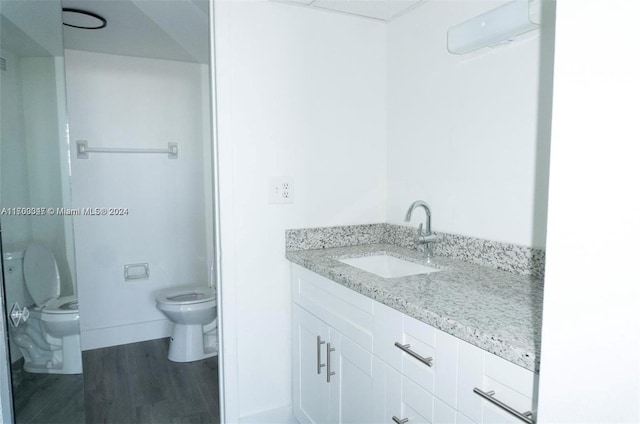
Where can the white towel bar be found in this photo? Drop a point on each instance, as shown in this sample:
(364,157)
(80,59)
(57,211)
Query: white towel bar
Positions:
(84,150)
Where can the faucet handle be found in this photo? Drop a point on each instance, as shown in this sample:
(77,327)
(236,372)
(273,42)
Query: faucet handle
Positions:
(431,238)
(419,234)
(422,238)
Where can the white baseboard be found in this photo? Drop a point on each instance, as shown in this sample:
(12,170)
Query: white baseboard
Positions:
(124,334)
(275,416)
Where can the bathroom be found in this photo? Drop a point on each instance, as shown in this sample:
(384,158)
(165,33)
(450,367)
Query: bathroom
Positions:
(309,95)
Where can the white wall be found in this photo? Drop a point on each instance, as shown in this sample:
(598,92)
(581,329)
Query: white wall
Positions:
(13,191)
(117,101)
(46,172)
(463,130)
(14,179)
(300,93)
(32,174)
(14,182)
(590,370)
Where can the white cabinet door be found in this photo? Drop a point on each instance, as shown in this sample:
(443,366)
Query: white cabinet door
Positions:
(357,388)
(311,401)
(494,415)
(407,401)
(391,326)
(393,395)
(470,375)
(445,367)
(387,329)
(509,383)
(341,308)
(335,379)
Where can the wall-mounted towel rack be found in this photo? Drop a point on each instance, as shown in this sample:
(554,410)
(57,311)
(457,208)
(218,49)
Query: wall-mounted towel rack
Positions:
(84,150)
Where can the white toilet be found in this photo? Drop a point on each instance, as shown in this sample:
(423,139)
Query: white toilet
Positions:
(192,310)
(49,339)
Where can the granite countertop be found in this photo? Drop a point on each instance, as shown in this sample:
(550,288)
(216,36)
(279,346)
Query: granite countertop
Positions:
(498,311)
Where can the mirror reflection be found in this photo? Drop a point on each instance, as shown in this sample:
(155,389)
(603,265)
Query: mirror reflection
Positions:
(137,89)
(112,317)
(37,242)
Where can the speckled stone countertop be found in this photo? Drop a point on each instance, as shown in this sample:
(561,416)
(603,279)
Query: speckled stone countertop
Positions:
(498,311)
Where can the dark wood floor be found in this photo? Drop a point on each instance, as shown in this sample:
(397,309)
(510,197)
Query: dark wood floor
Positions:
(128,384)
(48,398)
(136,383)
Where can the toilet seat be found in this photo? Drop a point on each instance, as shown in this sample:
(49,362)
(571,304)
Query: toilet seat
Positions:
(63,305)
(192,295)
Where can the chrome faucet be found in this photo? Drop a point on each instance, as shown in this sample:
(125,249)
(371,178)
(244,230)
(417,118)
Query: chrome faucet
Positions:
(423,237)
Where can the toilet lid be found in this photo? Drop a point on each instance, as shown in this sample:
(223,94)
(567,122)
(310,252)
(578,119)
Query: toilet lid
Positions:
(41,274)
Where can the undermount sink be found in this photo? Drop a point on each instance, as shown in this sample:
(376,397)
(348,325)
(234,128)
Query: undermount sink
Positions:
(388,266)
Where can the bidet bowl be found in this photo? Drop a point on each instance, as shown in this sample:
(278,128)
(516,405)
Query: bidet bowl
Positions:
(58,324)
(199,313)
(62,325)
(190,309)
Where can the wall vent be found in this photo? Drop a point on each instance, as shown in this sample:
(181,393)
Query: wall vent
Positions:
(3,64)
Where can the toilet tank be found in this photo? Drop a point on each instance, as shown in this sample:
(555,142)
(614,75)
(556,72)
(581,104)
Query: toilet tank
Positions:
(15,289)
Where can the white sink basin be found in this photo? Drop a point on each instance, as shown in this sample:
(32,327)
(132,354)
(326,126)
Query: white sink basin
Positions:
(388,266)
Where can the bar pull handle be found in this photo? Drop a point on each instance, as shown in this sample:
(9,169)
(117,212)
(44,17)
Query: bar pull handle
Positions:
(329,372)
(523,416)
(406,349)
(318,343)
(399,421)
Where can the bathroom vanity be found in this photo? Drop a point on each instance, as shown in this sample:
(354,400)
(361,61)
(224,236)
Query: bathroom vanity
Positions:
(459,344)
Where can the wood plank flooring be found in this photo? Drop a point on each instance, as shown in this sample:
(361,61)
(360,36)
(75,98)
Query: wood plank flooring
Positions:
(48,399)
(129,384)
(136,383)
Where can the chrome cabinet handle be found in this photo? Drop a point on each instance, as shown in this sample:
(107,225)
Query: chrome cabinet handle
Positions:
(405,348)
(523,416)
(329,372)
(399,421)
(318,364)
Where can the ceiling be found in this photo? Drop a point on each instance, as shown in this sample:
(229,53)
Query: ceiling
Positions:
(30,27)
(178,29)
(385,10)
(158,29)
